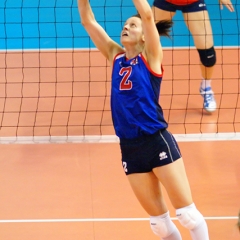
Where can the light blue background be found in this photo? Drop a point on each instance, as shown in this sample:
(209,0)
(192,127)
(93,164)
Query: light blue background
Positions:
(47,24)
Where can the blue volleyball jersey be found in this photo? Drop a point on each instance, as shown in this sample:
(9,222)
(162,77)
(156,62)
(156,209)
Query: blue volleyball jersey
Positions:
(135,98)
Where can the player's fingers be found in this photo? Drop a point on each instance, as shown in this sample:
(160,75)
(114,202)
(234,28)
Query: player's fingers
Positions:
(230,7)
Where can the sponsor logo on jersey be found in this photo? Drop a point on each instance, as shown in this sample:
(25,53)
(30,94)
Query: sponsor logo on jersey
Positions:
(134,61)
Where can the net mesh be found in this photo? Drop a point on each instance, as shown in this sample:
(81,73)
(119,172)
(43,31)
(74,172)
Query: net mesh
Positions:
(54,83)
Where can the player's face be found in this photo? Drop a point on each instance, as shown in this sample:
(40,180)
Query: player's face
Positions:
(132,31)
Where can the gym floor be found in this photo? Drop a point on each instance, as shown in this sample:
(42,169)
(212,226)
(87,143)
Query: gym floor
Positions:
(57,191)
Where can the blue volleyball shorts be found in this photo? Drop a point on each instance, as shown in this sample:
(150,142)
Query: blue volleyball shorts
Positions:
(142,154)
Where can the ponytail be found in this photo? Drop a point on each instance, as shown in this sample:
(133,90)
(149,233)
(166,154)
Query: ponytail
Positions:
(163,27)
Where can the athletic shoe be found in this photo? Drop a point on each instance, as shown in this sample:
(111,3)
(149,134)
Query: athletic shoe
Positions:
(209,102)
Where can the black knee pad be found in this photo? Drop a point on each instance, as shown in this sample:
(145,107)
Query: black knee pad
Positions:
(207,56)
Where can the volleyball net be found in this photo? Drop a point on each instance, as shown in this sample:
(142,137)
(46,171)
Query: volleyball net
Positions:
(55,86)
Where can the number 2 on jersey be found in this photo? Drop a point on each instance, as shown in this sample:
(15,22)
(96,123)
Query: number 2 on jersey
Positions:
(126,83)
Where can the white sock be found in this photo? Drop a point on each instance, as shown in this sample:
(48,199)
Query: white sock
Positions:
(200,232)
(175,235)
(206,83)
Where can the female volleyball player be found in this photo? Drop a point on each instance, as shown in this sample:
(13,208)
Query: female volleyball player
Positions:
(150,154)
(197,20)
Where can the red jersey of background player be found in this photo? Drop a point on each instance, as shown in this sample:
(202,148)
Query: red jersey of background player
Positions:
(181,2)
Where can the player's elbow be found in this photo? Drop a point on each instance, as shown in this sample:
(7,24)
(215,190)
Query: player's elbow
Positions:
(147,15)
(87,22)
(83,23)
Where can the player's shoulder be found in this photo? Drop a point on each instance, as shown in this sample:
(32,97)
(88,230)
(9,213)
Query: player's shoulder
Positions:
(119,55)
(115,50)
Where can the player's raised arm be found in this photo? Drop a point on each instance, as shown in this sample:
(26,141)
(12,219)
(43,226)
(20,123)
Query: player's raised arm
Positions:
(151,36)
(98,35)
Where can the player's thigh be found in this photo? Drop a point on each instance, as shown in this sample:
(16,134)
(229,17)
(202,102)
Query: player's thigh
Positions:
(199,25)
(160,14)
(148,191)
(174,178)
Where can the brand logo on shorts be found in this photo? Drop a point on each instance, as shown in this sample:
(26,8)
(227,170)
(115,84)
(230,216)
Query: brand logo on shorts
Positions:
(210,56)
(163,155)
(202,5)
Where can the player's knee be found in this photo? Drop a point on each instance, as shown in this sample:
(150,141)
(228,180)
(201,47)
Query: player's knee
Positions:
(161,225)
(207,56)
(189,217)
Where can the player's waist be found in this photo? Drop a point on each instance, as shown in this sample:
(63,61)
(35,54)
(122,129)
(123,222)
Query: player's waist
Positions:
(141,138)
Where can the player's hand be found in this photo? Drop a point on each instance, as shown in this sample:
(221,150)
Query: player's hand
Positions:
(228,5)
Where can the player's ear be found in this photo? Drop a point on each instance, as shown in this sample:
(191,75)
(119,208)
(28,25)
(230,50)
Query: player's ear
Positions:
(143,38)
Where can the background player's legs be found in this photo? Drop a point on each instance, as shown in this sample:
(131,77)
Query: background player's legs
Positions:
(147,189)
(174,179)
(160,14)
(199,25)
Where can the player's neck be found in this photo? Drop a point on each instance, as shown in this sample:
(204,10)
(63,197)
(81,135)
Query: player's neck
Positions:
(132,52)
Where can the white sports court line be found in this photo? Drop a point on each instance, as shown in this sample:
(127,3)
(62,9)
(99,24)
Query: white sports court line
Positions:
(231,136)
(99,220)
(95,49)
